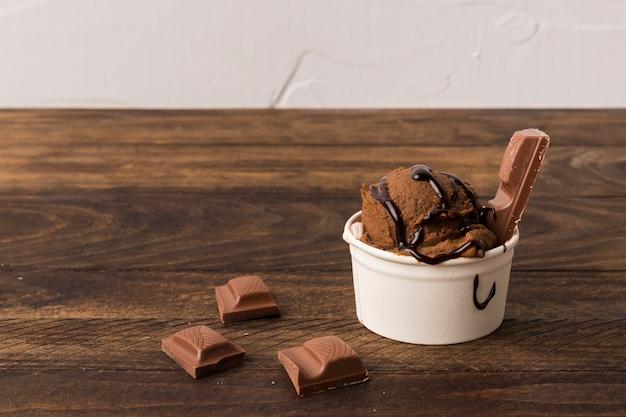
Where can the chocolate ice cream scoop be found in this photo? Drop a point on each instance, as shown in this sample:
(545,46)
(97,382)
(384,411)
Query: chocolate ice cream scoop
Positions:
(433,216)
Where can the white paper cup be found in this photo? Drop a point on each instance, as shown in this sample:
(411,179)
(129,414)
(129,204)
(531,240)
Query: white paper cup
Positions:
(402,299)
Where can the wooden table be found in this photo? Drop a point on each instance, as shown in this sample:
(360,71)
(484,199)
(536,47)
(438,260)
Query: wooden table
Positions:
(116,225)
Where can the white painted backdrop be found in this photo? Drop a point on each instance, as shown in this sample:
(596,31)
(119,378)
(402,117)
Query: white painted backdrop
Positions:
(312,53)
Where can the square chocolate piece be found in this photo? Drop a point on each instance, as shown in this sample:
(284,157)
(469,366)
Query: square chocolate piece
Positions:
(200,350)
(321,364)
(245,298)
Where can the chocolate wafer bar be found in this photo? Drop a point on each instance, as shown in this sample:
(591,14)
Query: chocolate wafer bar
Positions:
(518,172)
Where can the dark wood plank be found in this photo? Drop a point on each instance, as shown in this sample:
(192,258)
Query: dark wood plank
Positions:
(569,171)
(244,393)
(261,230)
(555,295)
(116,225)
(316,127)
(134,344)
(544,329)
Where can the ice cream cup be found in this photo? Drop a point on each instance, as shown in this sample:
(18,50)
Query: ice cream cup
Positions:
(452,302)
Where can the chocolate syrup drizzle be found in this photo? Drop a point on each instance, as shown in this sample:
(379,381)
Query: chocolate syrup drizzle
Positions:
(425,173)
(478,304)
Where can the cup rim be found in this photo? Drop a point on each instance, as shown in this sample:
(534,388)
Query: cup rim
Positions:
(352,240)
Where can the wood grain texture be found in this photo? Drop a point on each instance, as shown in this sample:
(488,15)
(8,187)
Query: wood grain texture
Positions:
(305,127)
(116,225)
(599,171)
(133,344)
(562,295)
(243,393)
(259,230)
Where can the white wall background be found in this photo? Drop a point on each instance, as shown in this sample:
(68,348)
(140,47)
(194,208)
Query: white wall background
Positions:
(312,53)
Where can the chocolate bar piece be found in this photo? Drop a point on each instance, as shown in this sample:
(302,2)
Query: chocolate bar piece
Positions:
(245,298)
(200,350)
(321,364)
(518,172)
